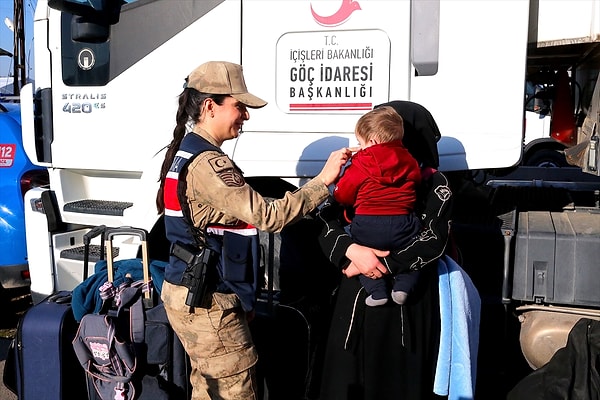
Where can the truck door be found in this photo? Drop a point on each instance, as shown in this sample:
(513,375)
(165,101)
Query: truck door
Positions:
(320,64)
(107,89)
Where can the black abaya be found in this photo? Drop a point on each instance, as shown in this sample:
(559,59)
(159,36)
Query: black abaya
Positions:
(391,351)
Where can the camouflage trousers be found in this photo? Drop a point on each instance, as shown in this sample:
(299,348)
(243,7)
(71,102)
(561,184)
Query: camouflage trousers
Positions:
(218,342)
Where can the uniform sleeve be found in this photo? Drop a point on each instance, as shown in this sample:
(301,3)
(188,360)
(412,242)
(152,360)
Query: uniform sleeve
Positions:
(214,182)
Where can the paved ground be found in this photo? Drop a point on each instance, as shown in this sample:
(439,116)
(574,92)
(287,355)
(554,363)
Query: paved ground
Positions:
(500,365)
(13,304)
(5,394)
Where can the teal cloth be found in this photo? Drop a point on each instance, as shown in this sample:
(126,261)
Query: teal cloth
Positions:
(460,308)
(86,296)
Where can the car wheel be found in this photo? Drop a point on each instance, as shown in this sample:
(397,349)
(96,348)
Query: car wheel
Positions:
(547,158)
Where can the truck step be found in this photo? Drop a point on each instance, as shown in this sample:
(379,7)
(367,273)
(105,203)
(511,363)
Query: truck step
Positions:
(102,207)
(76,253)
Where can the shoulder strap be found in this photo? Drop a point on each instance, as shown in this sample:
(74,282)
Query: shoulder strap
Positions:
(196,145)
(132,296)
(128,295)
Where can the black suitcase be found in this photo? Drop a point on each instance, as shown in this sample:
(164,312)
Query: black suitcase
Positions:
(161,364)
(45,365)
(291,314)
(282,338)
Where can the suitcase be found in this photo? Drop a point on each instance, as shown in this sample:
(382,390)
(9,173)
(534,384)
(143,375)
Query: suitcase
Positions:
(291,312)
(281,335)
(160,365)
(45,364)
(44,335)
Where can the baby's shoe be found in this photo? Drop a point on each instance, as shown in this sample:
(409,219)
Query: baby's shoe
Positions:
(399,296)
(370,301)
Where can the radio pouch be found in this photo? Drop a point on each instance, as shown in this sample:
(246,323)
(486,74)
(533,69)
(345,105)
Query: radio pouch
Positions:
(236,258)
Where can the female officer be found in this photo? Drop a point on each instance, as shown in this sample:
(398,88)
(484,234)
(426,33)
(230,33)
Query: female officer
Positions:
(208,205)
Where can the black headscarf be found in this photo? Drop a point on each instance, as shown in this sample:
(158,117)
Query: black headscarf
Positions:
(421,133)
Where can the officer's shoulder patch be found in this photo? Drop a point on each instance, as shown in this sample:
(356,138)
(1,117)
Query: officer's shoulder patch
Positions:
(225,170)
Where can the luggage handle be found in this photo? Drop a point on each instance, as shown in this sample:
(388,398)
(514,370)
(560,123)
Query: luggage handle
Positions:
(87,238)
(130,231)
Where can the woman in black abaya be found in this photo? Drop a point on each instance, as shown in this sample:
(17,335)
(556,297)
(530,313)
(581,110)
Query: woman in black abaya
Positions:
(389,351)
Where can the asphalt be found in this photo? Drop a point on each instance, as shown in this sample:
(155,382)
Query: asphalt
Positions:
(14,303)
(500,363)
(500,366)
(5,393)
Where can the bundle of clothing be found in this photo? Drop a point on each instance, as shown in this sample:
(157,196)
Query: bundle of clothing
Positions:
(87,296)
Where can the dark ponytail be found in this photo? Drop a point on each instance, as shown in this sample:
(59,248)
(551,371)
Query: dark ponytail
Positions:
(188,114)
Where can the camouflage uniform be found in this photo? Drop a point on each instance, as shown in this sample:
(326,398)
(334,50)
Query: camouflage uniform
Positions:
(230,199)
(218,339)
(218,342)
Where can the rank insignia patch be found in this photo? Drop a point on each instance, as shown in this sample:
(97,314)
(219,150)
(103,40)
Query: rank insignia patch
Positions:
(225,169)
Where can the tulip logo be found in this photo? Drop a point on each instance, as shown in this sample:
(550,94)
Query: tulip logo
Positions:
(340,16)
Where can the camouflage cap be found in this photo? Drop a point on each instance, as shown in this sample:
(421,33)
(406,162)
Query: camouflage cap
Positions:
(222,77)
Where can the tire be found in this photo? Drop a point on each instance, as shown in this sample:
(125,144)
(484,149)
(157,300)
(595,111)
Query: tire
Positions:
(547,158)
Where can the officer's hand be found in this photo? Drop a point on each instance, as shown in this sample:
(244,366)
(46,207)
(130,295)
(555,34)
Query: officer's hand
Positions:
(334,164)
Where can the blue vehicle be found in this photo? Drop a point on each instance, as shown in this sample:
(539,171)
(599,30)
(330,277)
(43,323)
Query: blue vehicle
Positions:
(17,176)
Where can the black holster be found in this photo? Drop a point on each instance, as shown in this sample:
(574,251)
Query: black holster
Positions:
(197,276)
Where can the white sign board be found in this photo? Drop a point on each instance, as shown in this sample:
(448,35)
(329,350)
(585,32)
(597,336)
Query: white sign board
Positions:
(333,71)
